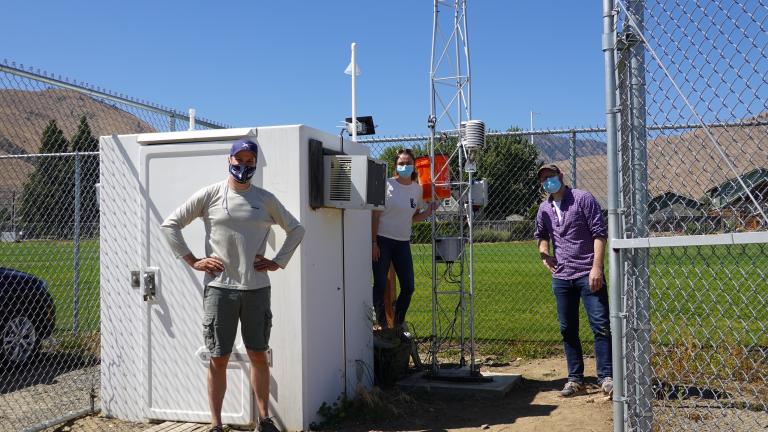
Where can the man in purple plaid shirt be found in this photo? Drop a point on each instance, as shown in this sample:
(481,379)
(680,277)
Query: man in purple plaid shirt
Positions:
(572,220)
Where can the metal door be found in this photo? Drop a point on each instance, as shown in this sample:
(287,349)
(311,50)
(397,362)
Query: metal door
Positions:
(175,359)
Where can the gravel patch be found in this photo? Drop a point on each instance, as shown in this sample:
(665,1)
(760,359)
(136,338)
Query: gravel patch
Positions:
(706,419)
(49,387)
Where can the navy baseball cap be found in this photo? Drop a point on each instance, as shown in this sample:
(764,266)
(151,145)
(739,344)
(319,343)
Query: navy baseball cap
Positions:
(243,145)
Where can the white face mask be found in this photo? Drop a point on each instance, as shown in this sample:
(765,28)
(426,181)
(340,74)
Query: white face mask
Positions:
(404,170)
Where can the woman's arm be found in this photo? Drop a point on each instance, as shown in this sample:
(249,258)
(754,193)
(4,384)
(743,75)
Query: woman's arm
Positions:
(421,216)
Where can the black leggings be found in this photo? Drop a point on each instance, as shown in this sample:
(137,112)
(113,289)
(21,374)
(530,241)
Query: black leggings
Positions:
(397,252)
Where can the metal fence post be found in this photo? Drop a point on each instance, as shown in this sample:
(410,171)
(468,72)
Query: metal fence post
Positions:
(609,48)
(172,123)
(573,159)
(76,252)
(639,163)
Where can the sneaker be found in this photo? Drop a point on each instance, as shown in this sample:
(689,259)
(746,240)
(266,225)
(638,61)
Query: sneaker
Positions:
(573,388)
(216,429)
(607,386)
(267,425)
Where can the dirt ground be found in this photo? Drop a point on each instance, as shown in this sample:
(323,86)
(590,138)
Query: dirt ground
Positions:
(535,405)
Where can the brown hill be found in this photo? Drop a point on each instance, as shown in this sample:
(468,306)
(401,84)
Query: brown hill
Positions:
(557,147)
(687,164)
(24,115)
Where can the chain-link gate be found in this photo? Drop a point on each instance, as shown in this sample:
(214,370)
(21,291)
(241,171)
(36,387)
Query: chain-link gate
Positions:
(691,212)
(49,239)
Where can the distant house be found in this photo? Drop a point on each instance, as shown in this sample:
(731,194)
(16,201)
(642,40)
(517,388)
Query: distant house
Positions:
(672,212)
(672,204)
(731,193)
(732,202)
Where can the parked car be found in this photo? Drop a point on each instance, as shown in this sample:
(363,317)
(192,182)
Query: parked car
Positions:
(27,314)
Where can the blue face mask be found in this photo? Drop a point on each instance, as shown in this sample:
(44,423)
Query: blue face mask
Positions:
(242,173)
(552,184)
(404,170)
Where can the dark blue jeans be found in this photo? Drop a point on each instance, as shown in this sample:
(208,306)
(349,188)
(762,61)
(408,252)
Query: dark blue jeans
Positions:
(398,253)
(567,294)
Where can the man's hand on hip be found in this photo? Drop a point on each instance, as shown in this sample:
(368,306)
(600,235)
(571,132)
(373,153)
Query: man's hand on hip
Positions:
(209,265)
(596,279)
(261,264)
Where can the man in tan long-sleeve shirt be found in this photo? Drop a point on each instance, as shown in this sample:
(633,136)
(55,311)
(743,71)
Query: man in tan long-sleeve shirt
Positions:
(237,218)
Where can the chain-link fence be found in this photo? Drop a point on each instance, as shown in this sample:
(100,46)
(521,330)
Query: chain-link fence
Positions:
(515,314)
(690,252)
(692,206)
(49,239)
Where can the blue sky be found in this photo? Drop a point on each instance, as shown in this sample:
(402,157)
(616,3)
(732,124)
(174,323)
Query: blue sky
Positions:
(257,63)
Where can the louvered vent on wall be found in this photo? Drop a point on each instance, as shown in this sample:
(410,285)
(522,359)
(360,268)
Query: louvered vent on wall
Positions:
(341,179)
(354,182)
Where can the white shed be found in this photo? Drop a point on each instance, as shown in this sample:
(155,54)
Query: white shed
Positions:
(153,360)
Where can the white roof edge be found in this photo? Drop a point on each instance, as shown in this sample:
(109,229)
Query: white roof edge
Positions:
(196,135)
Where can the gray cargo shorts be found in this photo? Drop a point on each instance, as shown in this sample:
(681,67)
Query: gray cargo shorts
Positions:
(222,310)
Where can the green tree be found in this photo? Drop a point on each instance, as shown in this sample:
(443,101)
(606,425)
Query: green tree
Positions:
(388,155)
(509,165)
(84,141)
(45,208)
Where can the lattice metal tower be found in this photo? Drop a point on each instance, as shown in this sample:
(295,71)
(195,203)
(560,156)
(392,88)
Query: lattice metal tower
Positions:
(450,86)
(450,110)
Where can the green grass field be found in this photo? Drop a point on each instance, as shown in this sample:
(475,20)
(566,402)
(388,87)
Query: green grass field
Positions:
(710,294)
(53,262)
(513,294)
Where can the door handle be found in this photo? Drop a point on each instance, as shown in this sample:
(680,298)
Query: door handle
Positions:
(150,285)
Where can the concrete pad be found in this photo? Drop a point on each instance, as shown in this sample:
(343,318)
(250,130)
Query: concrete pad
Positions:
(498,387)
